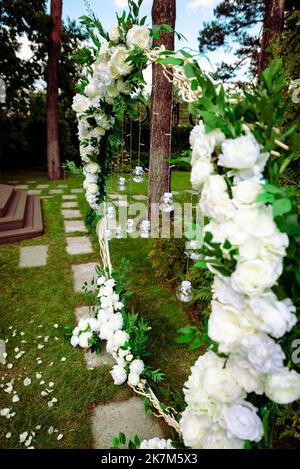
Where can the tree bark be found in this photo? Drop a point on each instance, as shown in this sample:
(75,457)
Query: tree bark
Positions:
(53,148)
(273,25)
(163,12)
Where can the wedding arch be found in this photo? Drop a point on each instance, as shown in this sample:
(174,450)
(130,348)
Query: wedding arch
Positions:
(251,238)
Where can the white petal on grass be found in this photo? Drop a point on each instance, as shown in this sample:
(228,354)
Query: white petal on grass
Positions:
(15,398)
(44,393)
(23,437)
(8,435)
(9,366)
(42,382)
(38,427)
(40,346)
(4,412)
(63,359)
(60,436)
(27,382)
(55,325)
(38,375)
(51,384)
(17,349)
(27,442)
(50,430)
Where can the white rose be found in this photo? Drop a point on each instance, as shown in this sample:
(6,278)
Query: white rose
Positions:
(215,201)
(105,331)
(223,292)
(114,33)
(101,280)
(80,103)
(133,379)
(74,340)
(91,89)
(256,220)
(138,36)
(255,171)
(110,282)
(246,192)
(246,376)
(118,65)
(120,338)
(92,168)
(219,384)
(239,153)
(271,315)
(253,277)
(202,143)
(261,351)
(226,324)
(201,170)
(137,366)
(93,189)
(116,322)
(106,291)
(283,387)
(84,339)
(218,439)
(76,331)
(156,443)
(243,422)
(194,428)
(119,375)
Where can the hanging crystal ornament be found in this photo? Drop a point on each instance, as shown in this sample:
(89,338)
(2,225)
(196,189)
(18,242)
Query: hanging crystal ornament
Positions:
(190,249)
(108,234)
(185,292)
(130,226)
(138,174)
(145,229)
(119,232)
(122,184)
(166,202)
(111,212)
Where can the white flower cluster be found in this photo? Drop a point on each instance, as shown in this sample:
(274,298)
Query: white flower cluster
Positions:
(156,443)
(246,314)
(108,325)
(107,82)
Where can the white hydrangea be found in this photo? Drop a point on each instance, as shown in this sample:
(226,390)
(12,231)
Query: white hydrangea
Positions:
(156,443)
(243,422)
(283,387)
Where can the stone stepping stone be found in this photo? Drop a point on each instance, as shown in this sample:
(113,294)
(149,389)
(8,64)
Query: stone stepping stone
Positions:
(139,197)
(122,203)
(114,196)
(46,197)
(33,256)
(69,205)
(56,191)
(76,191)
(71,213)
(128,417)
(62,186)
(93,360)
(74,226)
(175,193)
(22,186)
(69,197)
(31,182)
(34,192)
(83,273)
(12,182)
(79,245)
(42,186)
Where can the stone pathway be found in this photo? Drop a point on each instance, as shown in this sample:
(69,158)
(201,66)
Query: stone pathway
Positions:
(33,256)
(69,197)
(128,417)
(71,213)
(79,245)
(74,226)
(69,204)
(83,273)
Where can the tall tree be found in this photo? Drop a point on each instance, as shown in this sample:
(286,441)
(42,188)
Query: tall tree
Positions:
(161,108)
(273,26)
(53,150)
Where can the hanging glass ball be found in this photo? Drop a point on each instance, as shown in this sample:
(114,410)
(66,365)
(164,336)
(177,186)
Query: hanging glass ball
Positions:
(185,292)
(191,248)
(108,234)
(122,184)
(145,229)
(130,226)
(166,202)
(138,174)
(119,232)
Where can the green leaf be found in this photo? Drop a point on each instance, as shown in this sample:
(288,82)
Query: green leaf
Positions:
(184,339)
(266,198)
(131,445)
(197,342)
(137,441)
(272,189)
(190,71)
(281,206)
(191,330)
(116,442)
(171,61)
(122,438)
(201,264)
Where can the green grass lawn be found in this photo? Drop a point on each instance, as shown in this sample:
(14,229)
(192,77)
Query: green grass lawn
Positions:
(33,300)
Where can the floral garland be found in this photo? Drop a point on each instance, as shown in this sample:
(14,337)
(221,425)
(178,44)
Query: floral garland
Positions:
(113,75)
(244,247)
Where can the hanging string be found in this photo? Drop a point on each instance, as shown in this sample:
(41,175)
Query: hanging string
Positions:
(130,158)
(140,133)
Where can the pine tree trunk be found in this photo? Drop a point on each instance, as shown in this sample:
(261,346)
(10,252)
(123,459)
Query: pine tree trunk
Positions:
(53,150)
(273,25)
(163,12)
